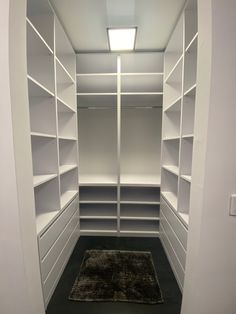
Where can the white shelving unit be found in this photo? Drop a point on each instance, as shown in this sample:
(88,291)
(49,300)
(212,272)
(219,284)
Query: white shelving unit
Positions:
(119,146)
(178,134)
(53,120)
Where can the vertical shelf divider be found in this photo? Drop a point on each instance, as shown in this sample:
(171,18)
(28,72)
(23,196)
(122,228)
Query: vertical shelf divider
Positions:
(118,138)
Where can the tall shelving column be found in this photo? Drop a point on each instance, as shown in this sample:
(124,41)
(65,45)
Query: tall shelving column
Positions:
(53,121)
(97,99)
(141,105)
(180,84)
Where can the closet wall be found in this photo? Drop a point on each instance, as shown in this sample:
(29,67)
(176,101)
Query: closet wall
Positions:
(119,101)
(53,122)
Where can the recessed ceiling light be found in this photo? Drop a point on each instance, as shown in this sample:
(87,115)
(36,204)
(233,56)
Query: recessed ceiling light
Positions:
(122,39)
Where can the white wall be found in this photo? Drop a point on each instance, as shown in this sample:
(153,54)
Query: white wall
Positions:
(210,280)
(20,284)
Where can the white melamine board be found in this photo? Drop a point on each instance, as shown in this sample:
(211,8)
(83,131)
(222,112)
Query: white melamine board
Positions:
(96,63)
(44,152)
(139,195)
(190,66)
(67,152)
(174,49)
(173,86)
(172,257)
(188,114)
(98,194)
(142,83)
(65,87)
(98,210)
(66,168)
(139,226)
(54,276)
(139,210)
(170,187)
(140,180)
(64,50)
(176,244)
(190,21)
(171,124)
(172,169)
(184,197)
(186,156)
(175,105)
(96,101)
(99,180)
(67,124)
(35,89)
(171,199)
(42,114)
(39,60)
(44,25)
(170,153)
(175,223)
(98,143)
(97,224)
(187,178)
(47,203)
(63,107)
(40,179)
(97,84)
(140,143)
(69,182)
(47,238)
(141,100)
(142,62)
(51,257)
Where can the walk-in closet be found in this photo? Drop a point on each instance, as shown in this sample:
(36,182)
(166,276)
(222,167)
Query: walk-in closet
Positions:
(118,162)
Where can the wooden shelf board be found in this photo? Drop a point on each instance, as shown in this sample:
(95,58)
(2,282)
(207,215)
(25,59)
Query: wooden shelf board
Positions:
(186,178)
(171,198)
(67,197)
(39,35)
(40,179)
(172,169)
(139,218)
(66,168)
(38,134)
(44,219)
(45,91)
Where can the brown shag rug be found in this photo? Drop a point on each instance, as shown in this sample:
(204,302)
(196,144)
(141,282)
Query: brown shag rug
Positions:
(126,276)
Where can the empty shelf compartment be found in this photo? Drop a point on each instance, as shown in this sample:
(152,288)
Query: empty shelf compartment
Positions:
(140,195)
(98,194)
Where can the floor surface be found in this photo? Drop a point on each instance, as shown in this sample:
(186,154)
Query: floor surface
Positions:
(60,304)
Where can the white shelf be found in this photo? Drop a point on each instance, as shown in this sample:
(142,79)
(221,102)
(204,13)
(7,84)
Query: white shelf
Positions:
(190,136)
(143,74)
(175,105)
(95,74)
(140,180)
(191,91)
(141,83)
(172,72)
(99,231)
(191,42)
(139,218)
(65,70)
(66,168)
(67,138)
(96,94)
(44,219)
(40,179)
(174,138)
(171,199)
(187,178)
(139,195)
(98,195)
(39,35)
(38,134)
(141,232)
(36,89)
(185,218)
(172,169)
(99,180)
(98,217)
(63,106)
(67,197)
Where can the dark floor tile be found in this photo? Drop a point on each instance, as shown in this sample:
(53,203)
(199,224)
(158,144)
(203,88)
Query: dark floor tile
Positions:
(60,304)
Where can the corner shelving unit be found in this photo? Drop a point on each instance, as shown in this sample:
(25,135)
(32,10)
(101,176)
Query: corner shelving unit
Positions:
(180,86)
(53,121)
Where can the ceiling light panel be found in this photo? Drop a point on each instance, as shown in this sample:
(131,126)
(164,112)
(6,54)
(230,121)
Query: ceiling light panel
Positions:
(122,39)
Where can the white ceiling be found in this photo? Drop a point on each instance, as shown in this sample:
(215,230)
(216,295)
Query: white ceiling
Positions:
(86,21)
